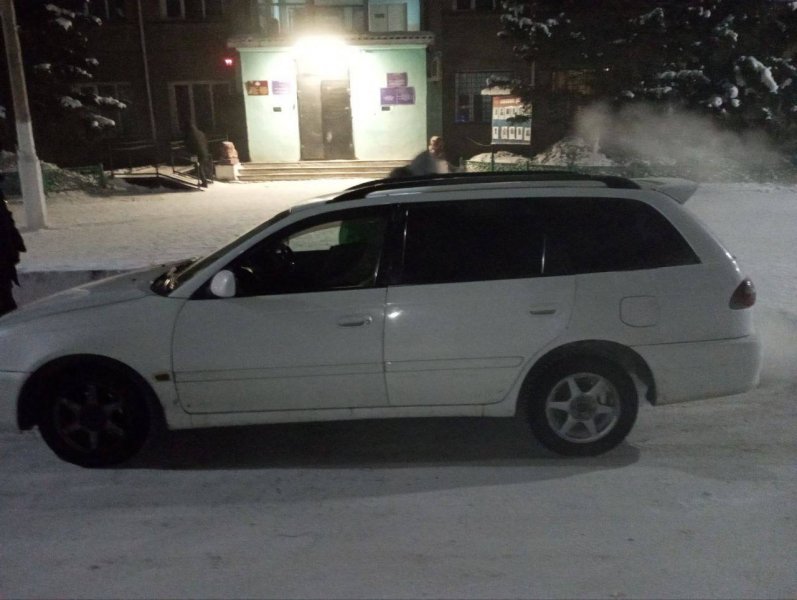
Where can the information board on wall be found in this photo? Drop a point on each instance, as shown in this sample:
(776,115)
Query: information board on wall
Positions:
(257,88)
(397,80)
(281,88)
(397,95)
(398,91)
(507,129)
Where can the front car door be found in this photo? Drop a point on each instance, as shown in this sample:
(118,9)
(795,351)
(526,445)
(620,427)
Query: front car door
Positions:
(471,303)
(304,330)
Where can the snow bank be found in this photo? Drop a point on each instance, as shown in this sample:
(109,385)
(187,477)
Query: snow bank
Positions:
(573,151)
(56,179)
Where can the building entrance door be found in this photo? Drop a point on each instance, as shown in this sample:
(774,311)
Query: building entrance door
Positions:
(325,129)
(336,120)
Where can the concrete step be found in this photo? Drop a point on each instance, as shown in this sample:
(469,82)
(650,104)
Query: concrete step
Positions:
(300,175)
(318,169)
(331,164)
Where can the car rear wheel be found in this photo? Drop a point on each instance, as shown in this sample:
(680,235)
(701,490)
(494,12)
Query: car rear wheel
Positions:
(582,406)
(94,416)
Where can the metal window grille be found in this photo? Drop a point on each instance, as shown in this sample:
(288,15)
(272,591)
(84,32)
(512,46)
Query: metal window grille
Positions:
(471,106)
(474,4)
(197,101)
(192,9)
(107,10)
(573,82)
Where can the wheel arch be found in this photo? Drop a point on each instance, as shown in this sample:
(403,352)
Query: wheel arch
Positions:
(28,402)
(621,355)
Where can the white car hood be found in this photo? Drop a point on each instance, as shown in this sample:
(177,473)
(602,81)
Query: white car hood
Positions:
(119,288)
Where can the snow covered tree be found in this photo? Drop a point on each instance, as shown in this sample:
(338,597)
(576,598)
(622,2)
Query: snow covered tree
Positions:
(730,58)
(60,68)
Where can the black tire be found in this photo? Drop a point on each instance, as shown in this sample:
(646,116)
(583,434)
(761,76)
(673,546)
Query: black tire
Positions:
(95,415)
(582,406)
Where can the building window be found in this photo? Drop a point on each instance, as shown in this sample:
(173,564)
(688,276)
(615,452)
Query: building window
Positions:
(107,10)
(471,106)
(290,16)
(388,17)
(108,94)
(474,4)
(173,9)
(195,10)
(203,102)
(579,82)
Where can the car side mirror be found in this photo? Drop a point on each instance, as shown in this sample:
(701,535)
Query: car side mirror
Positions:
(223,284)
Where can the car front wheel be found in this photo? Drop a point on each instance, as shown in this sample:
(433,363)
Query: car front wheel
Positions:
(94,416)
(582,406)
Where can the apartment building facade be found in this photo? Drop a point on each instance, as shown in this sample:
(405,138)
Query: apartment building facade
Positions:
(468,53)
(290,80)
(335,80)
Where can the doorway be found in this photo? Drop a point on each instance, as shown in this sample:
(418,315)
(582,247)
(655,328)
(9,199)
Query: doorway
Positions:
(325,128)
(336,120)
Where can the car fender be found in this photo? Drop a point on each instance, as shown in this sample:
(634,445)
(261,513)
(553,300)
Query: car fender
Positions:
(136,333)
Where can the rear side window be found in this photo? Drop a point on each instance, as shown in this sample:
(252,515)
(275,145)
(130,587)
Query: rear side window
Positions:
(475,240)
(586,235)
(483,240)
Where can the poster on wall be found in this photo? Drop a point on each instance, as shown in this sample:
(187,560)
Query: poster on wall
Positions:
(507,129)
(257,88)
(281,88)
(397,96)
(397,80)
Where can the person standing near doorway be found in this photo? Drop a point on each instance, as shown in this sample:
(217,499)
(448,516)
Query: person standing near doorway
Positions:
(197,145)
(432,160)
(11,245)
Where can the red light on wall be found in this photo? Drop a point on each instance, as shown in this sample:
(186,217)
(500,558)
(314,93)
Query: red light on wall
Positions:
(229,61)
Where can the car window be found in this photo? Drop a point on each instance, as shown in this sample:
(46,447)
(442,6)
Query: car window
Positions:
(474,240)
(592,235)
(177,276)
(335,251)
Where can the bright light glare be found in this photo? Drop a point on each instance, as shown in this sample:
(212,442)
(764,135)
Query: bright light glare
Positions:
(322,55)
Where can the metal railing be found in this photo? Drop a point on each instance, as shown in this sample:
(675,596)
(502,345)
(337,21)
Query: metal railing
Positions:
(134,151)
(170,158)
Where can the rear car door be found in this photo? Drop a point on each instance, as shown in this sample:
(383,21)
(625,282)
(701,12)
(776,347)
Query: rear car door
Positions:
(470,303)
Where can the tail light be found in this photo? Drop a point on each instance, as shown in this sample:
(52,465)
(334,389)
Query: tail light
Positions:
(744,295)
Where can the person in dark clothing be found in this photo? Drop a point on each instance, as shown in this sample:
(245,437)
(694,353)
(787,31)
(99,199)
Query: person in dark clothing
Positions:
(197,145)
(11,244)
(399,173)
(432,160)
(429,162)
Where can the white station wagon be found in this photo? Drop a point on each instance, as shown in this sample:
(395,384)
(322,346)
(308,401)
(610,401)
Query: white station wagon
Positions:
(557,297)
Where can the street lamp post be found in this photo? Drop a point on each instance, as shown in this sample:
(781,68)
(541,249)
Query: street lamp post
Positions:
(28,165)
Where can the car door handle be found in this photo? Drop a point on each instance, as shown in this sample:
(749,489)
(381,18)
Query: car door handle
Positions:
(355,321)
(543,311)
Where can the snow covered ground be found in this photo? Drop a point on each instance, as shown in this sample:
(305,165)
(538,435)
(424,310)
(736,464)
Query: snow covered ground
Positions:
(699,503)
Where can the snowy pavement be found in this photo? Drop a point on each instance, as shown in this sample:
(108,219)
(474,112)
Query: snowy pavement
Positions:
(135,229)
(698,503)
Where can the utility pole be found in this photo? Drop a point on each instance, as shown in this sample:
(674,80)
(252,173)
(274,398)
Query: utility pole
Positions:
(28,165)
(143,37)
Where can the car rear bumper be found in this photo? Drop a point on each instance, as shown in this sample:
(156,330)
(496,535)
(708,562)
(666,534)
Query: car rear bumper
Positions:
(10,385)
(696,370)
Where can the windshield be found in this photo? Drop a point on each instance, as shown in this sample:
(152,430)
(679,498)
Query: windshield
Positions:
(184,271)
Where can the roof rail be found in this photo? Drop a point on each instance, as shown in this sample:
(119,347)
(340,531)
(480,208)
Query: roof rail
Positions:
(363,189)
